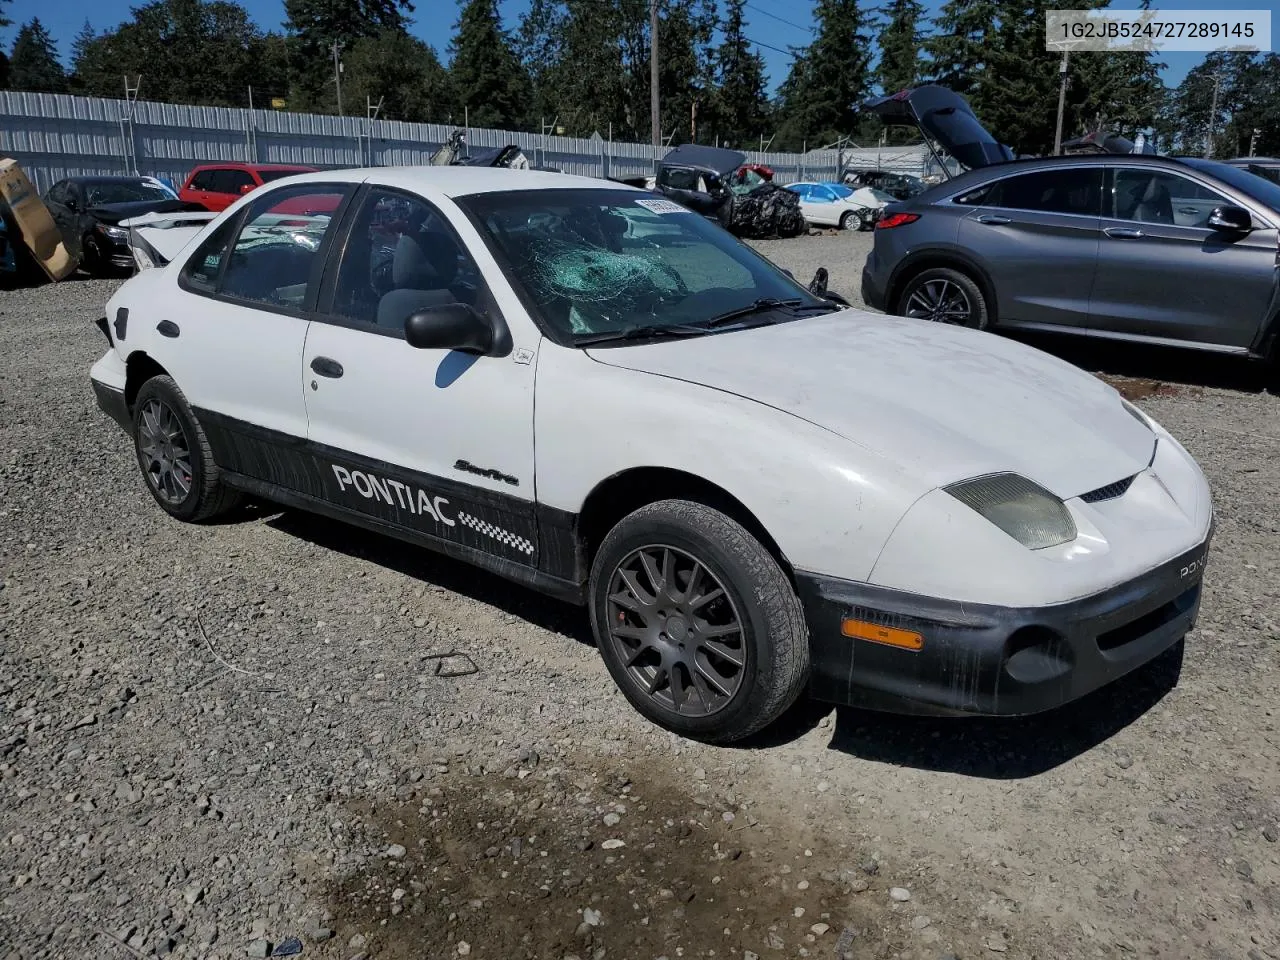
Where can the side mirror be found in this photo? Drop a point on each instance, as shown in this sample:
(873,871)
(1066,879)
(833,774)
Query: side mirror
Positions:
(245,188)
(818,285)
(1230,219)
(450,326)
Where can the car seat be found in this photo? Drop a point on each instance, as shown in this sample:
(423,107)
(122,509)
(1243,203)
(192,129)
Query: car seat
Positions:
(1150,202)
(422,269)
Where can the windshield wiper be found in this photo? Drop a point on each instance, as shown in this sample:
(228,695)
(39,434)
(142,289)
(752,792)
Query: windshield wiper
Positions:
(643,332)
(766,305)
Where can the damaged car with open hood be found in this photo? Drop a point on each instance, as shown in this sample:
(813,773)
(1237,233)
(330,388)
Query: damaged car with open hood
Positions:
(719,184)
(595,392)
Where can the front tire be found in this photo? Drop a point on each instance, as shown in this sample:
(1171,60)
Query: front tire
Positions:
(944,295)
(174,455)
(696,622)
(850,220)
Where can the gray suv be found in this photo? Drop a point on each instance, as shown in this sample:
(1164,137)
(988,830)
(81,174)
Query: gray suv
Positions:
(1180,252)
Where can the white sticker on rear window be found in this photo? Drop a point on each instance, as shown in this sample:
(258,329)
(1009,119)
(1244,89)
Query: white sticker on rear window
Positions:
(662,206)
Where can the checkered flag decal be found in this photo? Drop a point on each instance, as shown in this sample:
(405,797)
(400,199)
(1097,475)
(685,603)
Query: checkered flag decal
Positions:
(505,537)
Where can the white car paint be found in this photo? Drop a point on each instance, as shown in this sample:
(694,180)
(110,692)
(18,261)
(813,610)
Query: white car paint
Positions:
(827,203)
(835,432)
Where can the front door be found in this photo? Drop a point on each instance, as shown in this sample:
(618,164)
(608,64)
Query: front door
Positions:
(1037,234)
(1164,273)
(249,287)
(436,441)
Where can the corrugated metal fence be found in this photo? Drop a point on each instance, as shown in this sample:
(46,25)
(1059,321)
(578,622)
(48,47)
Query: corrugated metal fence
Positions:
(55,136)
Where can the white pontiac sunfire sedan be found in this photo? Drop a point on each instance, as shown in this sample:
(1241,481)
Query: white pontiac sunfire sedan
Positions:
(603,396)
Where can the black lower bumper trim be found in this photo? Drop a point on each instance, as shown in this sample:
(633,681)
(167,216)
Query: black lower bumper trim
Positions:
(991,660)
(111,401)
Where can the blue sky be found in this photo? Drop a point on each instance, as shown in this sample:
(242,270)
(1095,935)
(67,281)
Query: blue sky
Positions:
(775,23)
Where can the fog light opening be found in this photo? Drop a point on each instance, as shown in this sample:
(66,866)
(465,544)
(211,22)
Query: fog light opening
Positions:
(1036,654)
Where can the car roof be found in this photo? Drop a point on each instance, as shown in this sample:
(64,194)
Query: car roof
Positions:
(461,181)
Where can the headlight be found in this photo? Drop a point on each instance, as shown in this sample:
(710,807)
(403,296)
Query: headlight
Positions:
(115,233)
(1024,510)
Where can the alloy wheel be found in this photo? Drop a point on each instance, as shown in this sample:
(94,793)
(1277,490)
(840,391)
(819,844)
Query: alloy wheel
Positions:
(941,301)
(676,630)
(166,453)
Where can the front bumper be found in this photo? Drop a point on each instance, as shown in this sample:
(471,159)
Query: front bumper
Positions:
(990,660)
(111,401)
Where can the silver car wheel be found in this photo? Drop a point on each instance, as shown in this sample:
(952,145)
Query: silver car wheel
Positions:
(940,301)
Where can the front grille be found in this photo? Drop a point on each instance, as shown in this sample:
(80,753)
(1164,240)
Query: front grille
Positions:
(1109,492)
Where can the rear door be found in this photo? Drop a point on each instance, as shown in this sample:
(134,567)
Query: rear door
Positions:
(1037,235)
(1163,272)
(237,334)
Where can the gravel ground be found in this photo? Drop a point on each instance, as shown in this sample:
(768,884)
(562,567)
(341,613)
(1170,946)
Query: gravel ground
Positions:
(216,739)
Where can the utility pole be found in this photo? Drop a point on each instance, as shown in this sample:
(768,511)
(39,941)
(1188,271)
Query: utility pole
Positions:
(1213,117)
(337,73)
(1253,141)
(656,129)
(1062,101)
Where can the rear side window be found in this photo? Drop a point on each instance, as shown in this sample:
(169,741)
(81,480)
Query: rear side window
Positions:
(201,271)
(274,255)
(1076,191)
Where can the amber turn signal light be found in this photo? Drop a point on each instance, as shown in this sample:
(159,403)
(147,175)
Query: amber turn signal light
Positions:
(889,636)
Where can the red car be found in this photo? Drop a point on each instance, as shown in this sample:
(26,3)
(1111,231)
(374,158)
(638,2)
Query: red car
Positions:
(215,186)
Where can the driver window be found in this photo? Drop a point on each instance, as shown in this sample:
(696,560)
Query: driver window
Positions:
(401,256)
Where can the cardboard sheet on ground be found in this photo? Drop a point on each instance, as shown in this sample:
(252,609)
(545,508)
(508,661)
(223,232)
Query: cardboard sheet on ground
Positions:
(38,232)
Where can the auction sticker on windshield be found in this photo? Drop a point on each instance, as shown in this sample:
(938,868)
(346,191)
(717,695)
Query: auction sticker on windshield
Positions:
(662,206)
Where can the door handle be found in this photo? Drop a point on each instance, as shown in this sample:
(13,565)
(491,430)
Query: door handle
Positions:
(1189,211)
(992,218)
(326,367)
(167,328)
(1124,233)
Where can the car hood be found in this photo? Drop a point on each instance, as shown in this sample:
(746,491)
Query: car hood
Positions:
(944,403)
(115,212)
(716,159)
(946,117)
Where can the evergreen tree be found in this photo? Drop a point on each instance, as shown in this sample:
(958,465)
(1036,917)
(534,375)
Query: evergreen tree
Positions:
(900,64)
(187,51)
(4,61)
(962,38)
(829,80)
(400,70)
(742,100)
(538,42)
(486,76)
(33,62)
(313,25)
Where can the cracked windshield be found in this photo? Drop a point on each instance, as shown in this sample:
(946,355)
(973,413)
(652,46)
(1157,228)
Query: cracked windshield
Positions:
(597,264)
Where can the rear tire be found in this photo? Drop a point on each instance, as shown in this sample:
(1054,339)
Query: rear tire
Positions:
(696,622)
(174,455)
(944,295)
